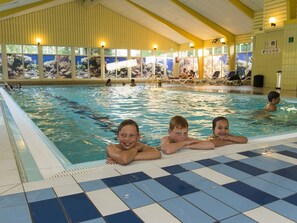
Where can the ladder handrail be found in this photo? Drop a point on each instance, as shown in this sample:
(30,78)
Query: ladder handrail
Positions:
(8,86)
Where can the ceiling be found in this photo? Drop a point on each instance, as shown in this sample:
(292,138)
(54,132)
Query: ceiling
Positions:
(181,21)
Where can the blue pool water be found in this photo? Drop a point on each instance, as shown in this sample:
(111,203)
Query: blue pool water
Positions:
(82,120)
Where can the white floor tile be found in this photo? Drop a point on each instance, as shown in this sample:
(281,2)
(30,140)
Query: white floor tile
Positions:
(68,189)
(264,215)
(107,202)
(214,176)
(155,213)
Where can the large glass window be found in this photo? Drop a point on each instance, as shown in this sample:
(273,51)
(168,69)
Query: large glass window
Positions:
(56,62)
(49,62)
(81,63)
(31,66)
(116,63)
(216,59)
(95,63)
(22,61)
(244,58)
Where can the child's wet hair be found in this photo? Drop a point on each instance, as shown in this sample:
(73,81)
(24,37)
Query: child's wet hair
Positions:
(128,122)
(178,122)
(272,95)
(215,120)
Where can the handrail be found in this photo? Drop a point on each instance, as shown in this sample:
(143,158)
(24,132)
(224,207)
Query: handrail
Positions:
(153,78)
(8,86)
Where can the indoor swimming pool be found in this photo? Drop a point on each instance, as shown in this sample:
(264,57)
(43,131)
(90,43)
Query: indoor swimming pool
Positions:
(82,120)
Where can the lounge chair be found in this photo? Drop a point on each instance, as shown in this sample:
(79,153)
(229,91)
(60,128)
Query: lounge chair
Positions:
(214,78)
(246,78)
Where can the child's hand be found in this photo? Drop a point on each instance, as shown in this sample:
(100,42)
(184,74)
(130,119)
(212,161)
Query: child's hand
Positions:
(192,141)
(110,161)
(139,147)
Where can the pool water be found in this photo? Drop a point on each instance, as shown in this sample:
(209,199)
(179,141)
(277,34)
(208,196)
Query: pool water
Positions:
(82,120)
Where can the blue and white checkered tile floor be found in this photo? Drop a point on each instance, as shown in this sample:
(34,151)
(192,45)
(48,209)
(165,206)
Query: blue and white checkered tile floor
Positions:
(258,185)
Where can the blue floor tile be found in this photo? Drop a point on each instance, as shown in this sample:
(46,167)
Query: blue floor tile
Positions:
(15,214)
(289,172)
(176,185)
(280,148)
(280,180)
(222,159)
(174,169)
(47,211)
(288,153)
(268,187)
(92,185)
(284,208)
(246,168)
(40,195)
(191,165)
(239,219)
(261,165)
(213,207)
(249,154)
(12,200)
(155,190)
(291,199)
(135,177)
(258,196)
(126,216)
(132,196)
(275,163)
(232,199)
(208,162)
(230,171)
(97,220)
(115,181)
(185,211)
(196,180)
(74,203)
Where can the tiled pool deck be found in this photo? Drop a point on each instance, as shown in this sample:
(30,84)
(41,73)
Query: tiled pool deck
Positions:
(254,182)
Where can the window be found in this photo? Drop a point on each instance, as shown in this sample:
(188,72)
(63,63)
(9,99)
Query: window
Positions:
(116,63)
(56,62)
(216,59)
(22,61)
(244,58)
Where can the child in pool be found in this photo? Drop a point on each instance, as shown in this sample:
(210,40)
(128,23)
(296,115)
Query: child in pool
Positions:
(129,147)
(221,136)
(273,100)
(178,138)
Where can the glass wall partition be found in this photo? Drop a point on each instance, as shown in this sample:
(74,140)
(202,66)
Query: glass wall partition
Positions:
(244,58)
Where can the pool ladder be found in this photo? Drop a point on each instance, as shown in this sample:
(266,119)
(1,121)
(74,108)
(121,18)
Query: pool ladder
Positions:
(154,80)
(6,84)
